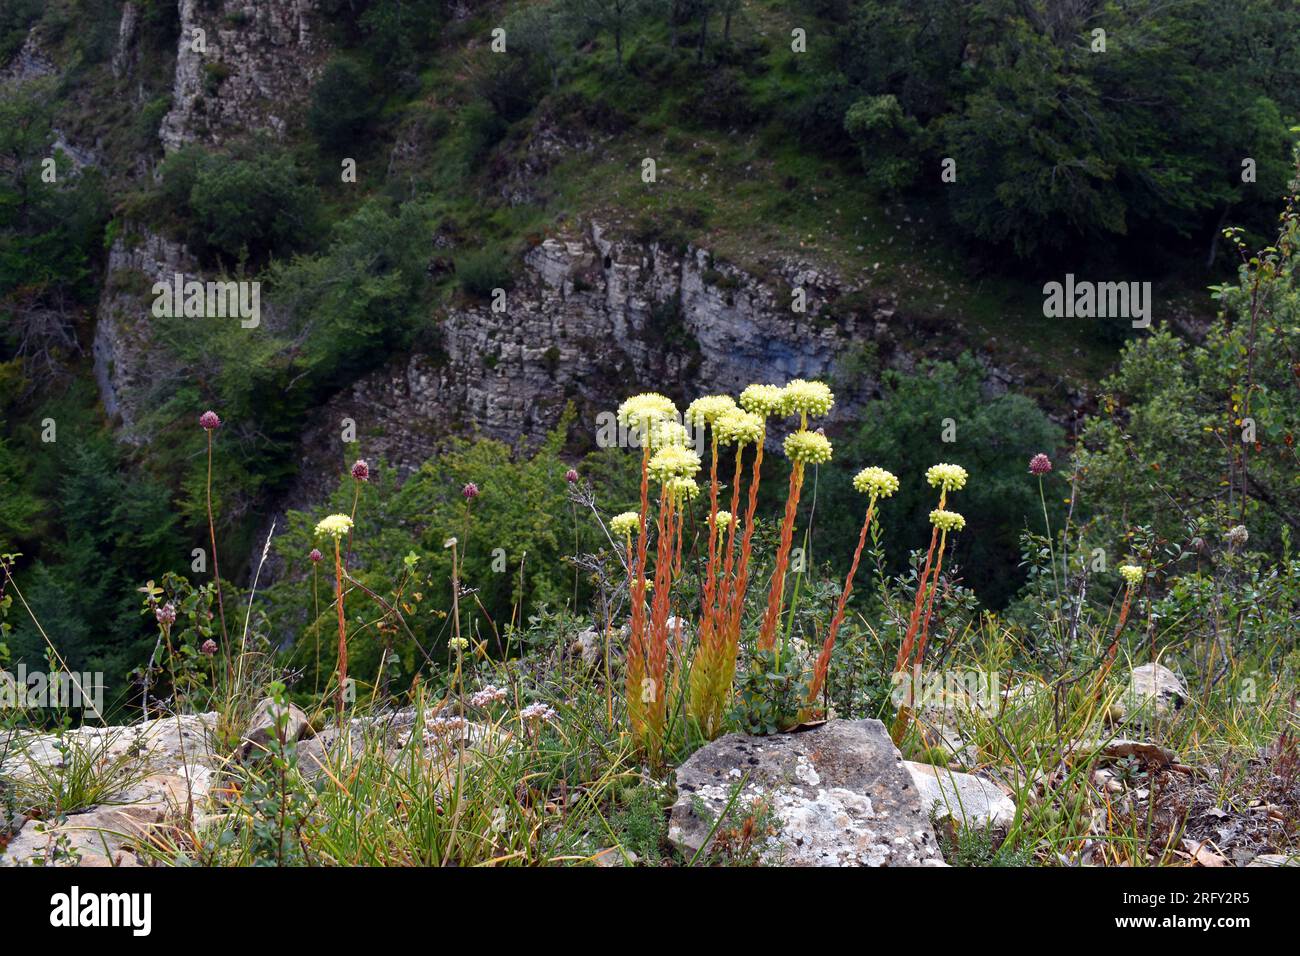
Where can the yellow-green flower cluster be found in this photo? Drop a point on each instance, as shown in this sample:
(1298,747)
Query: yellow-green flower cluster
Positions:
(947,520)
(808,448)
(674,461)
(945,476)
(682,489)
(1132,574)
(666,433)
(626,524)
(336,526)
(645,409)
(763,400)
(803,397)
(722,520)
(707,410)
(742,428)
(875,482)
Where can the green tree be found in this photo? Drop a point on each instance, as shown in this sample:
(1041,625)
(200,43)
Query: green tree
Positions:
(342,106)
(1195,438)
(994,438)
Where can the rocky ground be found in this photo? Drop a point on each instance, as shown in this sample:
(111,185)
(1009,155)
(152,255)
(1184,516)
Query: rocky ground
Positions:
(834,794)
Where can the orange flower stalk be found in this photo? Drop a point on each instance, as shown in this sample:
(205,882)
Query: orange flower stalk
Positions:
(636,648)
(336,526)
(946,478)
(1133,575)
(877,483)
(776,592)
(715,659)
(802,448)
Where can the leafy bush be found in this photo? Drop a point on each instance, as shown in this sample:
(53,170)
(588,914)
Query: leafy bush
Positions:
(994,437)
(342,106)
(481,271)
(240,206)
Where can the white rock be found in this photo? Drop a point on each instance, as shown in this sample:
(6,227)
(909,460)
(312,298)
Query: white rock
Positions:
(965,798)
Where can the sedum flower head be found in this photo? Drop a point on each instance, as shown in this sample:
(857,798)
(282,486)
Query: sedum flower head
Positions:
(947,520)
(336,526)
(683,489)
(723,520)
(809,448)
(674,462)
(642,411)
(625,524)
(945,476)
(763,400)
(667,433)
(803,397)
(739,428)
(707,410)
(875,482)
(1132,574)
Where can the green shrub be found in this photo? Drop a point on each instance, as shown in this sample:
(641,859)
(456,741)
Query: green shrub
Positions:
(342,106)
(481,271)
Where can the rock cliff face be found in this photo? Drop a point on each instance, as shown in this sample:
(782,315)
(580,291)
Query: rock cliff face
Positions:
(593,315)
(591,318)
(251,71)
(128,367)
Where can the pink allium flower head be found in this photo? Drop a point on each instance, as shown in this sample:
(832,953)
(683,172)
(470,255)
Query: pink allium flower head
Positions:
(470,491)
(360,470)
(571,475)
(165,613)
(209,420)
(208,647)
(315,555)
(1040,465)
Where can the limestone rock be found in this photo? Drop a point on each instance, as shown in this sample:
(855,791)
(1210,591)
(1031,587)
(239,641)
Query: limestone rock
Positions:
(258,64)
(962,797)
(263,726)
(839,794)
(588,647)
(106,835)
(1153,691)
